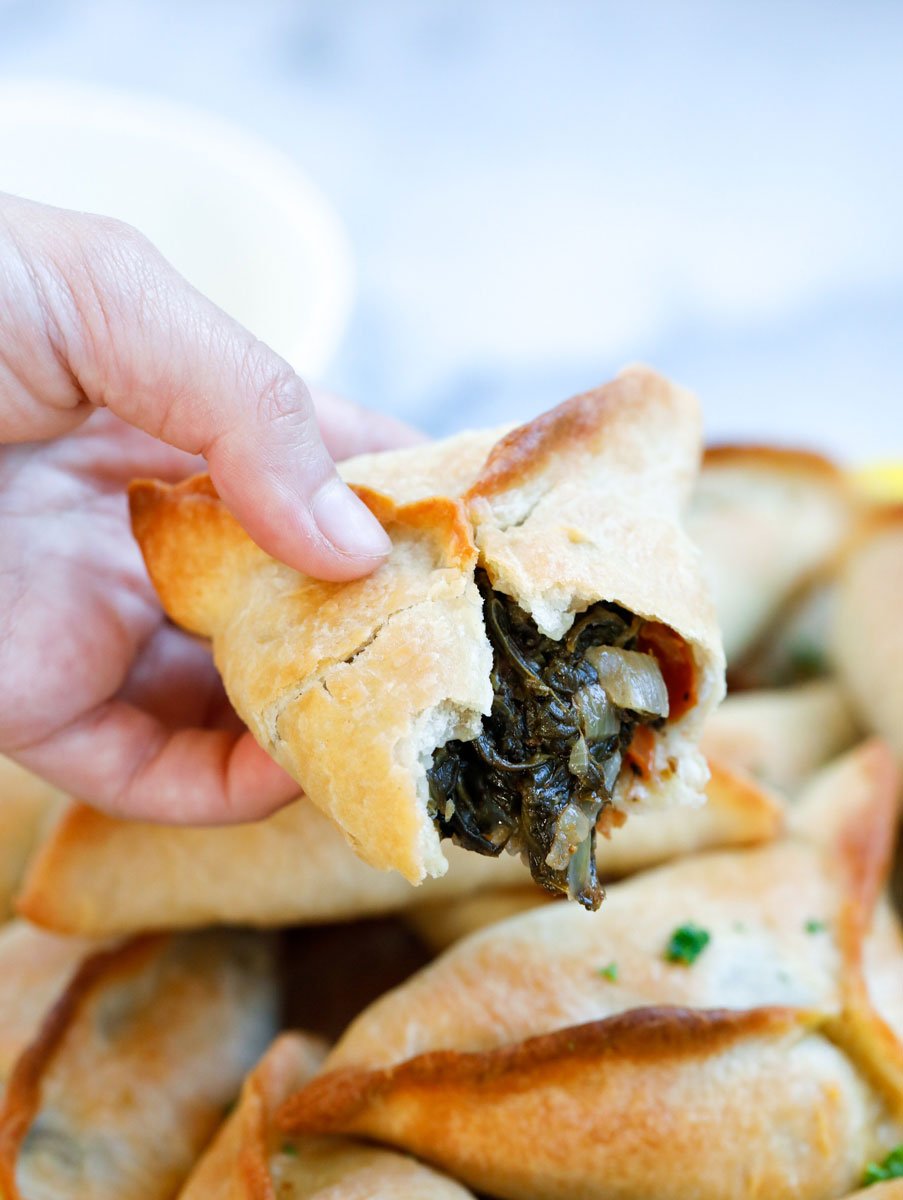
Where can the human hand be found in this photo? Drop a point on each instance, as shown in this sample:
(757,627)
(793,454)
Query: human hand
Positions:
(112,366)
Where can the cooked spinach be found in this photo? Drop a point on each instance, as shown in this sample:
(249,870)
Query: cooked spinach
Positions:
(547,758)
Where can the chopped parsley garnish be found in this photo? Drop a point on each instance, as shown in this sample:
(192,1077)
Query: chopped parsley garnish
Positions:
(609,972)
(686,944)
(289,1148)
(891,1168)
(815,926)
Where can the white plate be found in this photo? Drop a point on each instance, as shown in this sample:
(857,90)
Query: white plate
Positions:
(235,216)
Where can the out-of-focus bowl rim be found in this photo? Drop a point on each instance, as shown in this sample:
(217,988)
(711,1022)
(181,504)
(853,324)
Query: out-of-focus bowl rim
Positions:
(51,103)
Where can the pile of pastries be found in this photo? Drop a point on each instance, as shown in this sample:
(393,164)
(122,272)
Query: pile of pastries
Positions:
(256,1013)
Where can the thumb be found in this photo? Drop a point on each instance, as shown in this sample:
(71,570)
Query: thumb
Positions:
(138,338)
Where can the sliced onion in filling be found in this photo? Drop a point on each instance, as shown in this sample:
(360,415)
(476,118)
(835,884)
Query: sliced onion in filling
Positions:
(632,680)
(545,764)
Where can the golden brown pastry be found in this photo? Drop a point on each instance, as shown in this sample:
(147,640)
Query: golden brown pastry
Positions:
(795,646)
(117,1064)
(542,576)
(729,1025)
(806,810)
(251,1159)
(27,808)
(891,1190)
(867,642)
(766,519)
(34,970)
(781,736)
(736,813)
(100,876)
(439,924)
(810,811)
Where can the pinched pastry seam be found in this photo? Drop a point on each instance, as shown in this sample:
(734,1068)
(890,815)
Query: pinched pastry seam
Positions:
(459,551)
(861,855)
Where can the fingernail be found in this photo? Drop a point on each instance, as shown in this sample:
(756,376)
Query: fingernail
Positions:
(347,523)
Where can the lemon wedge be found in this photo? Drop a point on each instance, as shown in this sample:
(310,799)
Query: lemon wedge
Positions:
(881,481)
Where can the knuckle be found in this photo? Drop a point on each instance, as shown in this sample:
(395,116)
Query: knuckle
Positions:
(115,239)
(116,284)
(281,398)
(120,266)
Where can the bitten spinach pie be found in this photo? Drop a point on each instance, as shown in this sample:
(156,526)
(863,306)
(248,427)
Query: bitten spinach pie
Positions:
(534,660)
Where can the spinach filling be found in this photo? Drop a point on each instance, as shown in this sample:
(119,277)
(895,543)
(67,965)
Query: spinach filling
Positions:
(546,762)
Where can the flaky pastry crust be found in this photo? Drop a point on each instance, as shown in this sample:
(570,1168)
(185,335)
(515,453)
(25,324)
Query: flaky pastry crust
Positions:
(867,634)
(126,1058)
(251,1159)
(100,876)
(27,809)
(767,519)
(770,1065)
(352,687)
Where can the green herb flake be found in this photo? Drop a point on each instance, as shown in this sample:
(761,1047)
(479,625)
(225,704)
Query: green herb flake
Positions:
(686,944)
(289,1149)
(807,659)
(609,972)
(891,1168)
(813,925)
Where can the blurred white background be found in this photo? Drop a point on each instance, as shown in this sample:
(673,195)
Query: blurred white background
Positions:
(538,193)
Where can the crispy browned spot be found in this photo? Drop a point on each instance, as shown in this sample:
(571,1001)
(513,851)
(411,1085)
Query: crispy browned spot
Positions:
(863,854)
(575,423)
(782,458)
(254,1151)
(151,504)
(440,516)
(331,1102)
